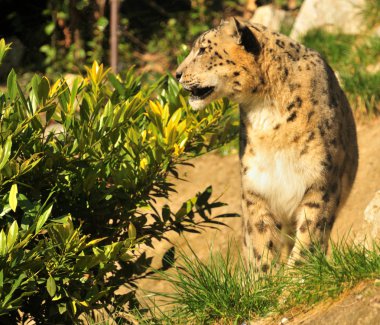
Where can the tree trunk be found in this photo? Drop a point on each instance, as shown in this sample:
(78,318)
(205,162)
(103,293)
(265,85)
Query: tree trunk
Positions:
(114,28)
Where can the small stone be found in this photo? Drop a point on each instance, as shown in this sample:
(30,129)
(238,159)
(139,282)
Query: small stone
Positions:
(284,320)
(359,297)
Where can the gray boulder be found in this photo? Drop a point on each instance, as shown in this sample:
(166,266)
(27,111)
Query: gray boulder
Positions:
(333,15)
(371,227)
(269,16)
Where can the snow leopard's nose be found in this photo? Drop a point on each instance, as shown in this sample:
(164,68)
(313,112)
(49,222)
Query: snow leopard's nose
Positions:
(178,75)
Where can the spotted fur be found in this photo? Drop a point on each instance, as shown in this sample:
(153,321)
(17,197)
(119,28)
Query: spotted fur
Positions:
(298,147)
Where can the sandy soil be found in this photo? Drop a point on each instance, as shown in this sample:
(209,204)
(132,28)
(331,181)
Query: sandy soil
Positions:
(360,305)
(224,176)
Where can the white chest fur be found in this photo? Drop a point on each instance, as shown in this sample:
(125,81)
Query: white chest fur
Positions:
(276,173)
(278,177)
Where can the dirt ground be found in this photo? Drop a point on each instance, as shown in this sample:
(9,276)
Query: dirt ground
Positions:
(358,306)
(224,176)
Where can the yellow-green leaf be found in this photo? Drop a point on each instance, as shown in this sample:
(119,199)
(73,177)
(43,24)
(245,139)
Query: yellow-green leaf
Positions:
(3,243)
(62,308)
(57,297)
(12,85)
(6,152)
(43,90)
(84,303)
(43,217)
(3,48)
(12,234)
(13,197)
(95,241)
(51,286)
(131,231)
(73,306)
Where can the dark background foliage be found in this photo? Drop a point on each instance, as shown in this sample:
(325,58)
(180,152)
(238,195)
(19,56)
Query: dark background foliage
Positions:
(60,36)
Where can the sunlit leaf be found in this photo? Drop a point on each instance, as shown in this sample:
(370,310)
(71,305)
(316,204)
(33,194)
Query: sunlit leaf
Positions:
(43,217)
(12,85)
(51,286)
(131,231)
(6,152)
(13,197)
(3,243)
(12,235)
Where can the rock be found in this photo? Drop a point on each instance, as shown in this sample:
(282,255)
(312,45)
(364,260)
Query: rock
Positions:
(284,320)
(269,16)
(371,228)
(333,15)
(373,68)
(372,215)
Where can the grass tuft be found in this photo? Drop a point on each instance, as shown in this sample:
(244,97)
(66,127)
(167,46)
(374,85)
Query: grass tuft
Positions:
(226,290)
(323,276)
(371,12)
(222,288)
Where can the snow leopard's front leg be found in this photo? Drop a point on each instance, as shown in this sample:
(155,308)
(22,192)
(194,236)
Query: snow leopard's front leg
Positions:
(261,232)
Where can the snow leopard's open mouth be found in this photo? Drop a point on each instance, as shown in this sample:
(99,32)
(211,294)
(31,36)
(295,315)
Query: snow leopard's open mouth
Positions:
(199,92)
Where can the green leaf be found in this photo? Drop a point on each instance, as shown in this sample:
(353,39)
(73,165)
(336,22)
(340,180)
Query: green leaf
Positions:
(102,22)
(57,297)
(43,217)
(23,99)
(12,85)
(6,152)
(5,211)
(12,235)
(131,231)
(73,94)
(15,285)
(43,90)
(13,197)
(1,280)
(51,286)
(3,243)
(3,48)
(73,306)
(62,308)
(49,28)
(116,83)
(95,241)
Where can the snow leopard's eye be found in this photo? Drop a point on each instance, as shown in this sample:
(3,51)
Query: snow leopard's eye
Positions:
(201,50)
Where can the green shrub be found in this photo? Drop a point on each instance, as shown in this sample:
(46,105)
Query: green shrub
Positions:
(53,271)
(81,166)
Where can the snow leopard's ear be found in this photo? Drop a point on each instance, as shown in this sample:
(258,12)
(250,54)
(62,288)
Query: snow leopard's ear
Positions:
(244,36)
